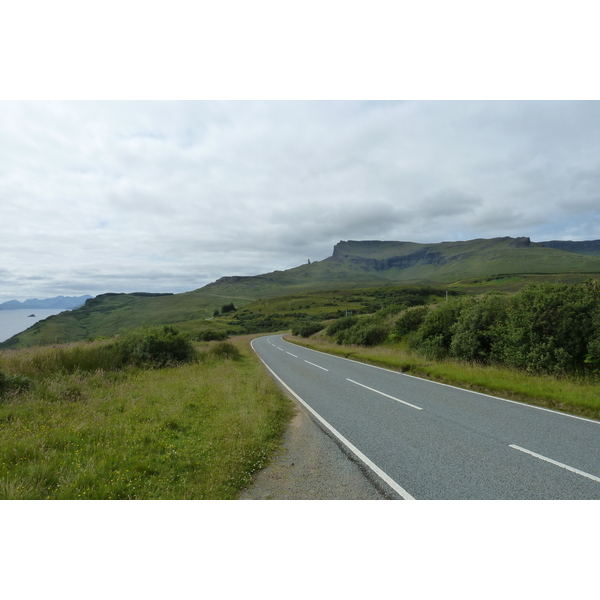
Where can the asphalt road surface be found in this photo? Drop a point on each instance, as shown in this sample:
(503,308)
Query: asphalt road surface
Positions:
(426,440)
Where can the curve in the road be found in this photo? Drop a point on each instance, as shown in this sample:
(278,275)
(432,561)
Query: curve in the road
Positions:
(439,441)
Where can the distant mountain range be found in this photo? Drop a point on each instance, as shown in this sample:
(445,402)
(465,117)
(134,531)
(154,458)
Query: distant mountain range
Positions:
(66,302)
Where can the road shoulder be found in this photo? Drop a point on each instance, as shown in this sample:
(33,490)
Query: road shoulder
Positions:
(310,465)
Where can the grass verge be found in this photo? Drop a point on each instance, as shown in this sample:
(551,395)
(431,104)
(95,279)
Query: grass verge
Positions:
(574,396)
(194,431)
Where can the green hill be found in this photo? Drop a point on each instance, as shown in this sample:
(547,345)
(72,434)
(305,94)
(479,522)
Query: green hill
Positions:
(448,262)
(372,263)
(474,265)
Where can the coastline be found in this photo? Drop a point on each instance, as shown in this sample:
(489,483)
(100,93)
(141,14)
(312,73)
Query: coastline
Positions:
(13,321)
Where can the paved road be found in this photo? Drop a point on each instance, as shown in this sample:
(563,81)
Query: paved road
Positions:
(427,440)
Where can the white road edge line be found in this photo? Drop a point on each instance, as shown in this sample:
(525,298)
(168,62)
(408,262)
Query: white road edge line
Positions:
(554,462)
(386,395)
(313,364)
(382,474)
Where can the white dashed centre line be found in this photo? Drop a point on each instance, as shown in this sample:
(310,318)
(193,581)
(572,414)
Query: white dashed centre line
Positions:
(554,462)
(313,364)
(383,394)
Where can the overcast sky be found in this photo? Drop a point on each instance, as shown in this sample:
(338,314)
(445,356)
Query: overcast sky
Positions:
(168,196)
(107,193)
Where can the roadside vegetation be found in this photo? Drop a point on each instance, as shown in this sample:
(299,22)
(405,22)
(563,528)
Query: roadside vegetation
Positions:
(147,415)
(545,329)
(157,413)
(540,345)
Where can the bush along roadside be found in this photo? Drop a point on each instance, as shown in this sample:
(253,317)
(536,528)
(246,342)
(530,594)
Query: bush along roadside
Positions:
(368,331)
(306,328)
(155,347)
(545,328)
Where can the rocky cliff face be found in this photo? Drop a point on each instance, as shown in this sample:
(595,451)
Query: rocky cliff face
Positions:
(424,256)
(374,260)
(591,248)
(368,255)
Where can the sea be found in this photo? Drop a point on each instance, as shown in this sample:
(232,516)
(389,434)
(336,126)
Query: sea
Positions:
(15,321)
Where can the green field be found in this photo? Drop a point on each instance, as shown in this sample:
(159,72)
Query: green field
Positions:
(193,431)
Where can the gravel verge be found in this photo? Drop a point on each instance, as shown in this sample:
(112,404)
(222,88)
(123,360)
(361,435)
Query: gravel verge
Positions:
(310,465)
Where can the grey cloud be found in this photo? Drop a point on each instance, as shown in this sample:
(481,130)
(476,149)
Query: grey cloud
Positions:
(579,206)
(513,221)
(214,188)
(448,203)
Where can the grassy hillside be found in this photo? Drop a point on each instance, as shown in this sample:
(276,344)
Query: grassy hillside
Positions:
(475,266)
(109,314)
(278,314)
(449,262)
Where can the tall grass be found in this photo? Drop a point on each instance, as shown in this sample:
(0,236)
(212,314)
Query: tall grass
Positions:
(194,431)
(155,347)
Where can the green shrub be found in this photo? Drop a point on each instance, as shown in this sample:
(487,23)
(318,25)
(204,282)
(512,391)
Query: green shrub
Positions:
(411,320)
(156,347)
(306,328)
(341,324)
(434,336)
(259,324)
(371,335)
(210,335)
(552,328)
(478,329)
(365,332)
(225,350)
(592,358)
(392,309)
